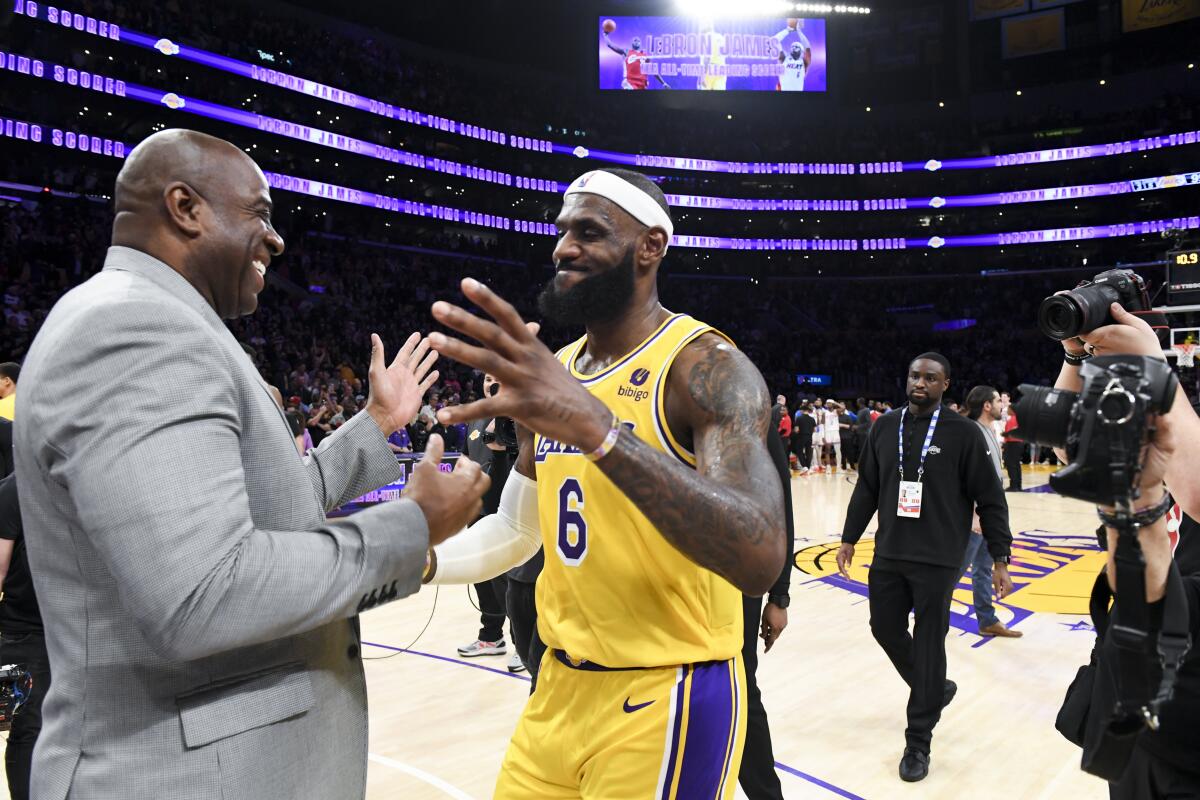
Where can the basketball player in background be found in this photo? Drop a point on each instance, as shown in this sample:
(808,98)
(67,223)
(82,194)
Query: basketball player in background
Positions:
(712,45)
(656,499)
(634,57)
(795,58)
(831,435)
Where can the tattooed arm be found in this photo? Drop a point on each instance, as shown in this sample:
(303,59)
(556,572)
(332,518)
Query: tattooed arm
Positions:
(727,514)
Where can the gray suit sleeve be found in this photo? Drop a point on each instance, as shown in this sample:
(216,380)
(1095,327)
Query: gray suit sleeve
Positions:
(353,461)
(142,426)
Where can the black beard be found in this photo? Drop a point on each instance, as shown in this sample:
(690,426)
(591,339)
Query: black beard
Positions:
(595,299)
(928,402)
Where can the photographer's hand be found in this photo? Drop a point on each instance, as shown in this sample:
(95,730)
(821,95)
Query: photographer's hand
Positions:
(1156,549)
(1130,336)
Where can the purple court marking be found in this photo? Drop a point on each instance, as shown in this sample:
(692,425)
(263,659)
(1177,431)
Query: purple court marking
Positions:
(507,674)
(811,779)
(272,77)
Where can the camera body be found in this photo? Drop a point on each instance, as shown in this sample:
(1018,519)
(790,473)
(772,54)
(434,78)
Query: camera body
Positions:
(1102,428)
(505,433)
(16,683)
(1086,307)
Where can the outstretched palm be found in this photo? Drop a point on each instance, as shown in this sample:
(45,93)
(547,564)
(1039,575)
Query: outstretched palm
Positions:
(397,389)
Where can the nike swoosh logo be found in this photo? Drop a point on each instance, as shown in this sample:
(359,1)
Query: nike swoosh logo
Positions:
(630,709)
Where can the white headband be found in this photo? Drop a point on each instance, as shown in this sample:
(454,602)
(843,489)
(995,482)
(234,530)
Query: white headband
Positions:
(640,205)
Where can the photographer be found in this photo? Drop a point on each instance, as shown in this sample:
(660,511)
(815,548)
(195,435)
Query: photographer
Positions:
(492,444)
(1165,762)
(22,640)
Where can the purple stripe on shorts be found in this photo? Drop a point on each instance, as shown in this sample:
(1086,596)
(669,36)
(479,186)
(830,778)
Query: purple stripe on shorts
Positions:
(666,792)
(710,724)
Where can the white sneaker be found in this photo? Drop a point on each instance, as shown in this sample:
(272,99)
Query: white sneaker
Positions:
(480,648)
(515,664)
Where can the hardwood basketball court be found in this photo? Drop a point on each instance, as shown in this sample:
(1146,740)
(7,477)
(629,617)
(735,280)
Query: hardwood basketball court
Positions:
(440,724)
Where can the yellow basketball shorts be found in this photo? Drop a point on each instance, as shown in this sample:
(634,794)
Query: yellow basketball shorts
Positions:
(663,733)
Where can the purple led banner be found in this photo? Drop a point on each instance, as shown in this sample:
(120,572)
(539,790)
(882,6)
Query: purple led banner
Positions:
(85,80)
(57,137)
(78,22)
(48,70)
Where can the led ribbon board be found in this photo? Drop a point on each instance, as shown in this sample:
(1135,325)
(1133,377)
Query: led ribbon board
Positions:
(91,25)
(58,137)
(83,79)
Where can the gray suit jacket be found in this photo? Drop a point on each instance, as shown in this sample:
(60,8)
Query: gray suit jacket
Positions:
(199,609)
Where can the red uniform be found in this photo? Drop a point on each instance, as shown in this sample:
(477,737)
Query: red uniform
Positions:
(633,69)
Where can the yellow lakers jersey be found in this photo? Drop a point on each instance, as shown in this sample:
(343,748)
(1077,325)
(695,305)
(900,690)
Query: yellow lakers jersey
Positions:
(613,590)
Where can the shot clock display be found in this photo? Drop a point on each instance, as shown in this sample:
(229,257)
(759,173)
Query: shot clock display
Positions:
(1183,276)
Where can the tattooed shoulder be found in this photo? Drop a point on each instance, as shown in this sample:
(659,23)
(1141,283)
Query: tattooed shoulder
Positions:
(725,386)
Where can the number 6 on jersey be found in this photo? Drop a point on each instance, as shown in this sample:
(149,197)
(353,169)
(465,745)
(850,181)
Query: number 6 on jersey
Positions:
(572,527)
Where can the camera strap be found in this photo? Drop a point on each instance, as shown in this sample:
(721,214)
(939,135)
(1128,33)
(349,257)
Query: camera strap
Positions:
(1138,704)
(1129,629)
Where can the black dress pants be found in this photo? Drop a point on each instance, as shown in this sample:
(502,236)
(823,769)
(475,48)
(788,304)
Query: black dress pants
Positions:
(491,608)
(522,616)
(1149,777)
(897,587)
(757,776)
(1012,463)
(29,651)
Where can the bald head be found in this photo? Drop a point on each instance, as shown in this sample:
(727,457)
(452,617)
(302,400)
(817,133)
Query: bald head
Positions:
(204,162)
(203,207)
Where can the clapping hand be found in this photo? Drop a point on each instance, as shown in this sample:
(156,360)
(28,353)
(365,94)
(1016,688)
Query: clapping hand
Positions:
(396,390)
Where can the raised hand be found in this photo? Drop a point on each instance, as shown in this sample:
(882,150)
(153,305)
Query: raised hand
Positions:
(538,391)
(396,390)
(449,500)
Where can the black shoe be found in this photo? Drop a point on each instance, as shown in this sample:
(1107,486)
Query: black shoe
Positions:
(1013,489)
(914,766)
(949,692)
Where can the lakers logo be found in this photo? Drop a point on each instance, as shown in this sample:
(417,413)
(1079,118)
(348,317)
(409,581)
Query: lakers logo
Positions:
(1052,574)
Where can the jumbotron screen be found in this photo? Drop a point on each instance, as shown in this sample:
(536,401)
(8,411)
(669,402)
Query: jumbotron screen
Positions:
(721,55)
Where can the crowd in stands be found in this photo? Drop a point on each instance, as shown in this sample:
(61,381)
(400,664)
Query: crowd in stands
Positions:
(310,336)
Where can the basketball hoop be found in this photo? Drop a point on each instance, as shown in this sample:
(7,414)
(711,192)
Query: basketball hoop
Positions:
(1187,355)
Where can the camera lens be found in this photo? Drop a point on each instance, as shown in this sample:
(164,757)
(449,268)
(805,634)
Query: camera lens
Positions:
(1060,316)
(1044,414)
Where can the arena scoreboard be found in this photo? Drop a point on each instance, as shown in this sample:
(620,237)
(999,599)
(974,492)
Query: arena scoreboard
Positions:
(759,54)
(1183,276)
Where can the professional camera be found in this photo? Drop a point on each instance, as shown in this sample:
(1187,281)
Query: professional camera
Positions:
(1086,307)
(1102,428)
(505,433)
(15,685)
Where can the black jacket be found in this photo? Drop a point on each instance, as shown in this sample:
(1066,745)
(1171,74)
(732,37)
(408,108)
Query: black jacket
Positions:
(778,450)
(959,477)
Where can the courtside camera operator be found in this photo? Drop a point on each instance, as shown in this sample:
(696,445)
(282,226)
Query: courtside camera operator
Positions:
(1155,751)
(22,645)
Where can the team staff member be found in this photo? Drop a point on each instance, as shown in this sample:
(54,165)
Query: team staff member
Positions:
(924,469)
(758,777)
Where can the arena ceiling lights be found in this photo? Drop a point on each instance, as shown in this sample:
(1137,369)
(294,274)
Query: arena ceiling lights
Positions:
(761,8)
